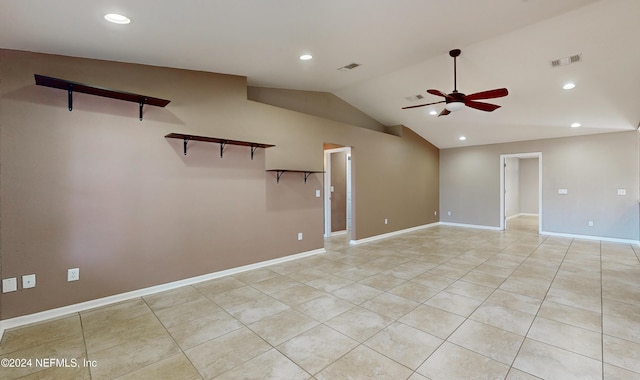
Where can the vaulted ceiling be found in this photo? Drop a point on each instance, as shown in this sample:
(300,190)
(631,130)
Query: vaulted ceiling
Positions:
(401,45)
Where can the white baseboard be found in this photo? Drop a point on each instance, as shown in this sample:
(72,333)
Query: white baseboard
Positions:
(521,214)
(76,308)
(338,233)
(590,237)
(479,226)
(391,234)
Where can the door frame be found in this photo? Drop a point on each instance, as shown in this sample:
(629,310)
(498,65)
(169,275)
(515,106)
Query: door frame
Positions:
(503,210)
(327,189)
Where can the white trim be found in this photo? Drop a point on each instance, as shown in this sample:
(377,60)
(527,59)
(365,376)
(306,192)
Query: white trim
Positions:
(478,226)
(327,187)
(391,234)
(537,155)
(76,308)
(591,237)
(338,233)
(521,214)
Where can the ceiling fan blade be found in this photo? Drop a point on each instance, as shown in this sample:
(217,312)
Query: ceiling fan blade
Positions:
(491,94)
(444,112)
(480,105)
(422,105)
(438,93)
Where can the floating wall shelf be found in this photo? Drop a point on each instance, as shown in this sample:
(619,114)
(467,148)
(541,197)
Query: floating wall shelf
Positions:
(70,86)
(280,172)
(222,142)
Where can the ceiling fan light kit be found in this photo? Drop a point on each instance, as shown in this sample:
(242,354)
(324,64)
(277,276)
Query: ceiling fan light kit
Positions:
(455,100)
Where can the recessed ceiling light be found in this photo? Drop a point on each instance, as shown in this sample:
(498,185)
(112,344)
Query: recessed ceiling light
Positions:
(576,125)
(305,57)
(116,18)
(433,112)
(569,86)
(462,138)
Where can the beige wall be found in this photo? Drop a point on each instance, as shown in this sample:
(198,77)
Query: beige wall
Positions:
(339,193)
(592,168)
(100,190)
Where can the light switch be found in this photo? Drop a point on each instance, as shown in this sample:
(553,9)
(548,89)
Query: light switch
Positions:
(563,191)
(317,193)
(9,285)
(332,189)
(622,191)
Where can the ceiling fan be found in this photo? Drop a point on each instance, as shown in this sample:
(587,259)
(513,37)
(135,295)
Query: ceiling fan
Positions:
(457,100)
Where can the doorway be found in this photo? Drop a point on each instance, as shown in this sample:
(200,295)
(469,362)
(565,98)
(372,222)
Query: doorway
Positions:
(520,187)
(338,210)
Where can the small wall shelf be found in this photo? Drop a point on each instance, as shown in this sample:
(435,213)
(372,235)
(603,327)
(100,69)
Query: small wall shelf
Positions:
(222,142)
(280,172)
(70,86)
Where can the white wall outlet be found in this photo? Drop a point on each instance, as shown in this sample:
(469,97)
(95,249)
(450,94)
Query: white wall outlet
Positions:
(563,191)
(449,213)
(317,193)
(9,285)
(386,221)
(299,235)
(590,223)
(73,274)
(332,189)
(435,213)
(28,281)
(622,191)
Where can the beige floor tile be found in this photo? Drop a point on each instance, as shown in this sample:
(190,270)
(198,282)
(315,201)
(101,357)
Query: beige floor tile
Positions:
(454,362)
(355,274)
(219,285)
(434,281)
(120,332)
(307,274)
(586,319)
(503,318)
(255,275)
(324,307)
(359,323)
(454,303)
(222,354)
(282,326)
(181,313)
(516,374)
(198,331)
(471,290)
(408,271)
(297,294)
(621,320)
(616,373)
(549,362)
(413,291)
(122,312)
(454,272)
(357,293)
(274,284)
(571,297)
(236,297)
(404,344)
(514,301)
(271,365)
(390,305)
(329,283)
(173,297)
(256,310)
(433,320)
(487,340)
(571,338)
(364,363)
(40,333)
(621,353)
(382,281)
(485,279)
(174,367)
(317,348)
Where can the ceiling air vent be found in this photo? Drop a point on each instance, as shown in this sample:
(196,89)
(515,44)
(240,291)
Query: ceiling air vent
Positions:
(350,66)
(414,98)
(566,60)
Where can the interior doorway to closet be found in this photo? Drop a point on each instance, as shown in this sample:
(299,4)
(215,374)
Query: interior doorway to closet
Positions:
(520,187)
(338,209)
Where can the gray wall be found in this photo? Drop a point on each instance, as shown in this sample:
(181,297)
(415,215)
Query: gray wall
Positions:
(528,177)
(512,186)
(592,168)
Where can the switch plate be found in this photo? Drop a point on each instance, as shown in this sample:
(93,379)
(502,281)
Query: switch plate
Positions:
(299,235)
(317,193)
(28,281)
(9,285)
(386,221)
(563,191)
(622,191)
(590,223)
(332,189)
(449,213)
(73,274)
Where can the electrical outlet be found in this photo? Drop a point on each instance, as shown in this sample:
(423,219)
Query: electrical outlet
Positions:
(590,223)
(317,193)
(9,285)
(73,274)
(28,281)
(299,235)
(386,221)
(435,213)
(449,213)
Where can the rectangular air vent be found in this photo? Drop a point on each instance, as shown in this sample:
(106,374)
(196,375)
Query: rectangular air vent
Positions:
(414,98)
(566,60)
(350,66)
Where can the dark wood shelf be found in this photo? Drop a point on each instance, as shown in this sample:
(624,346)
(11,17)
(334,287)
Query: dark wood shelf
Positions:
(186,138)
(280,172)
(70,87)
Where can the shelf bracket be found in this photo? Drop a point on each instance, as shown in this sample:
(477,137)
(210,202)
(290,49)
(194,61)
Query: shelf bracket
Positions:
(222,145)
(279,174)
(140,109)
(70,97)
(306,175)
(186,140)
(253,149)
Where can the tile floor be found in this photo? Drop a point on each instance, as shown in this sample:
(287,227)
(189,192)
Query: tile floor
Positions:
(441,303)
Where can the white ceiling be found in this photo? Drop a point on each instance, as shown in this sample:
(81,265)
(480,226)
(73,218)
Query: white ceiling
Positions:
(402,45)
